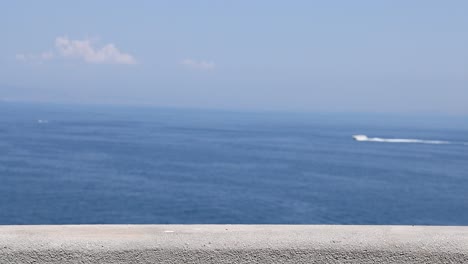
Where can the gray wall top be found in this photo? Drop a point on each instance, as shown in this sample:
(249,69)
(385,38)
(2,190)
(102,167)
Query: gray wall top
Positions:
(233,243)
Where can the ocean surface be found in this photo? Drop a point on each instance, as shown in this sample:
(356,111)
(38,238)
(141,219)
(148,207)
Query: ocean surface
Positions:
(77,164)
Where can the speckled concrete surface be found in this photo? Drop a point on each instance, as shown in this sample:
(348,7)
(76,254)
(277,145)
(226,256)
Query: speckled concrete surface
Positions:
(233,244)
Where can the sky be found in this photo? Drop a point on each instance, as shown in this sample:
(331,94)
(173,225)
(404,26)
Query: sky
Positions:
(394,56)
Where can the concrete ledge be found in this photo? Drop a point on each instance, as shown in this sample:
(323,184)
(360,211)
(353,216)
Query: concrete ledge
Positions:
(233,244)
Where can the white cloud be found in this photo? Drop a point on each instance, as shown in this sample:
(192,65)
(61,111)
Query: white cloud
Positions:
(200,65)
(21,57)
(84,49)
(47,55)
(81,49)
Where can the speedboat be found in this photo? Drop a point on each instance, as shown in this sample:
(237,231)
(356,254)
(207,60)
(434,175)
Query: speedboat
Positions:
(360,137)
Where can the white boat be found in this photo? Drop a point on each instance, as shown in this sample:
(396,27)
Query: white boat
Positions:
(360,137)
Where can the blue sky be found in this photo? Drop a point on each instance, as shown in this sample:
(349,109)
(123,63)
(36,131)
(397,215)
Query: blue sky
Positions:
(333,56)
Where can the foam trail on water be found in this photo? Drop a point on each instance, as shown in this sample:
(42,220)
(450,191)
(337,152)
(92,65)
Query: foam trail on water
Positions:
(399,140)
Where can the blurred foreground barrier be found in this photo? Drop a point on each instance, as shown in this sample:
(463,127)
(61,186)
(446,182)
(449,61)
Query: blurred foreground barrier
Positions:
(233,244)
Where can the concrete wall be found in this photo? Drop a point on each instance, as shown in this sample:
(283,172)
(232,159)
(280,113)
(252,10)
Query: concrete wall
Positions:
(233,244)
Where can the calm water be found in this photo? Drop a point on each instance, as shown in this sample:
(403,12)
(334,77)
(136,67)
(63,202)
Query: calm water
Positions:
(83,164)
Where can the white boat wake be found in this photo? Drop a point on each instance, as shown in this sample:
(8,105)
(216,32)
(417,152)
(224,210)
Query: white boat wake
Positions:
(42,121)
(398,140)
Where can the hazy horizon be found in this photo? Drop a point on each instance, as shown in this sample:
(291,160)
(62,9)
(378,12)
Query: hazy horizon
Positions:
(361,56)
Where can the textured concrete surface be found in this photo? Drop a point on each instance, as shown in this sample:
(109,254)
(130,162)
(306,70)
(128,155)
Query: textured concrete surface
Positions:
(233,244)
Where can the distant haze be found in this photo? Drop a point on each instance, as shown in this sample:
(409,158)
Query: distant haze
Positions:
(358,56)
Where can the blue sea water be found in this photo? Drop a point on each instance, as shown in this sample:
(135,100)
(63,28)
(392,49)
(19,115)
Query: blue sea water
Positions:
(76,164)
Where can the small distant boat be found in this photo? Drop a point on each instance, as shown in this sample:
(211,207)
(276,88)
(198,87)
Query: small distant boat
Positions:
(360,137)
(398,140)
(42,121)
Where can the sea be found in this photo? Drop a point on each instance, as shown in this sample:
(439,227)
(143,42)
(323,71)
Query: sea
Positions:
(96,164)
